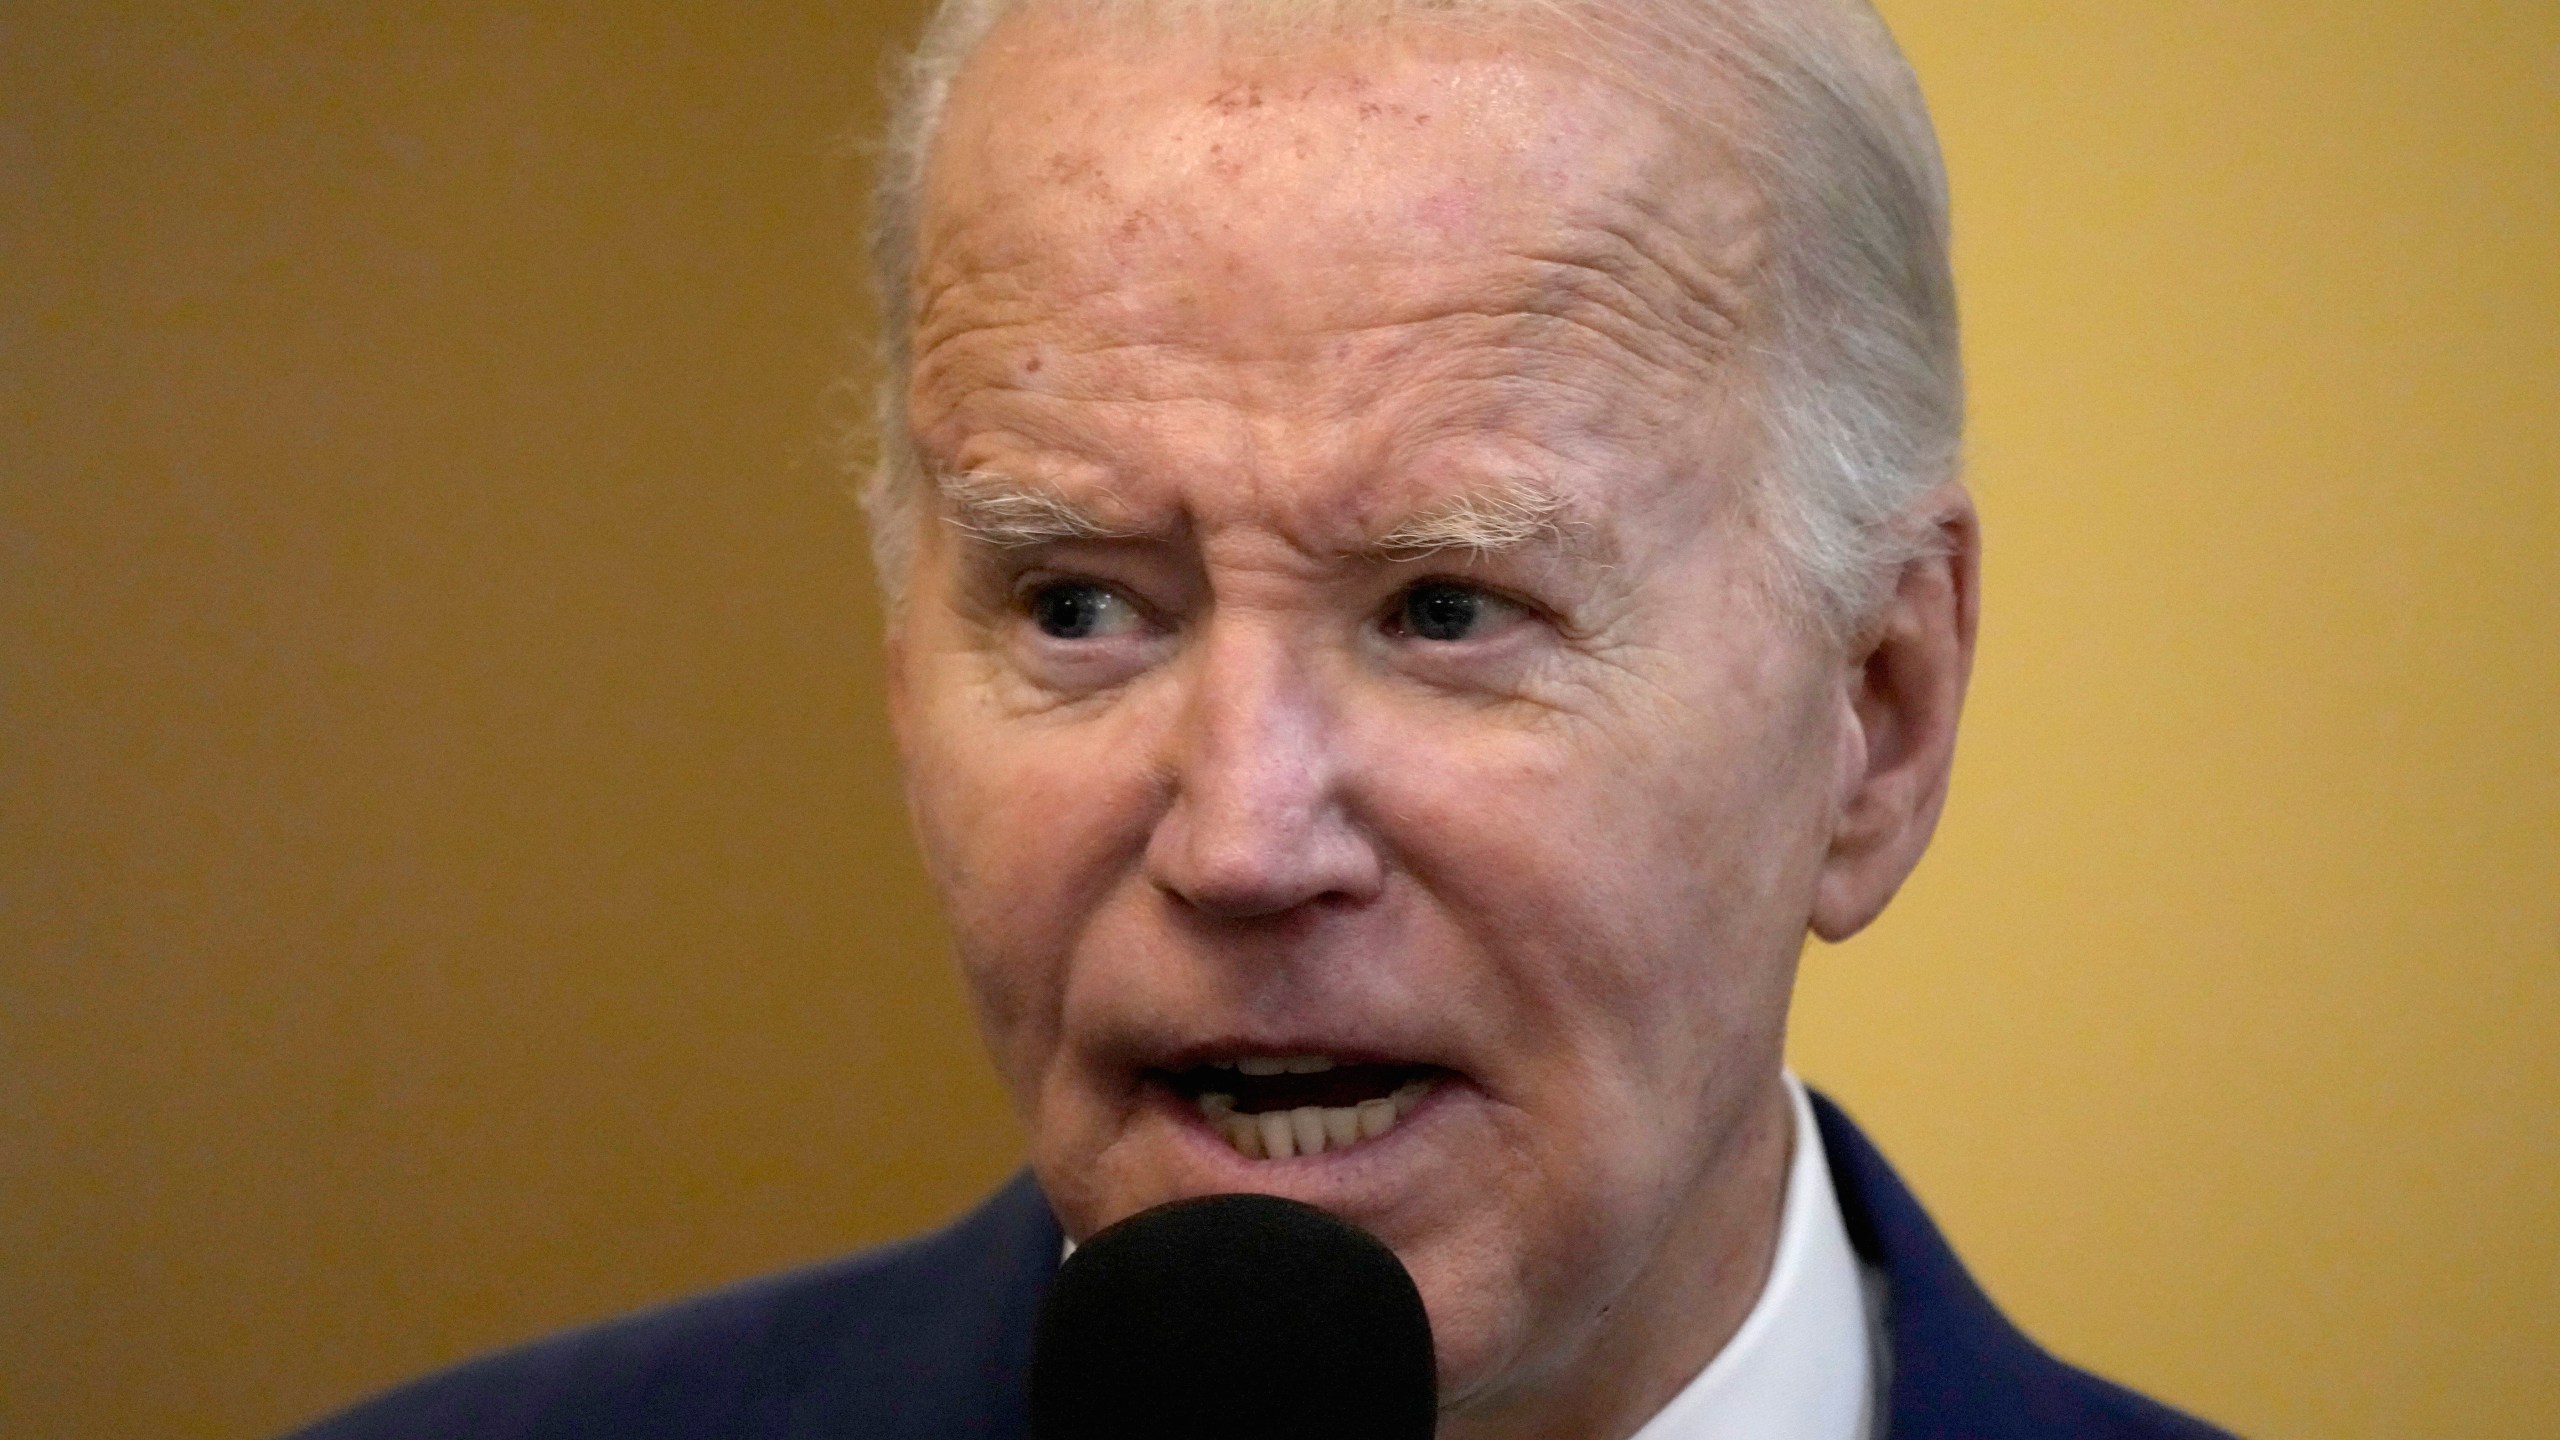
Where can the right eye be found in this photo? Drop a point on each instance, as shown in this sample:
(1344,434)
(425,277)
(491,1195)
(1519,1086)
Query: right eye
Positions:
(1081,610)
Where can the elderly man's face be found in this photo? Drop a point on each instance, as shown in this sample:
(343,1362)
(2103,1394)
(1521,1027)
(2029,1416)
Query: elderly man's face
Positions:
(1350,643)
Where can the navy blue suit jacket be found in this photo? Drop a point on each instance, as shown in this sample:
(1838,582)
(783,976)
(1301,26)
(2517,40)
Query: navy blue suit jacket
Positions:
(931,1340)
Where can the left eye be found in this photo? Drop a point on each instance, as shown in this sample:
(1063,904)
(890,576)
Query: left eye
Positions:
(1445,611)
(1081,610)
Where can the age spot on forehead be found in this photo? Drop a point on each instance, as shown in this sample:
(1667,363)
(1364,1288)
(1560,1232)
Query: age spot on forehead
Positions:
(1234,98)
(1081,169)
(1450,210)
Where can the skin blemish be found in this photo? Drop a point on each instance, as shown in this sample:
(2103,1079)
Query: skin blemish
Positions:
(1237,97)
(1448,211)
(1080,170)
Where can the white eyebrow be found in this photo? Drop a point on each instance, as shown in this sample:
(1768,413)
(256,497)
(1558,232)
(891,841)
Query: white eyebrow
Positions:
(1009,515)
(998,510)
(1486,522)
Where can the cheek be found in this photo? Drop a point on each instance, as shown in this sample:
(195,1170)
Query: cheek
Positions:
(1639,887)
(1634,946)
(1026,825)
(1642,841)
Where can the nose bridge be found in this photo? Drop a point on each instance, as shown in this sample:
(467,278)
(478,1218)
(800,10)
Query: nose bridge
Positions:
(1258,824)
(1254,723)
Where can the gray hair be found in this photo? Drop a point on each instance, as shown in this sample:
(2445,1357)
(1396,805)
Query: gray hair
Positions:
(1858,353)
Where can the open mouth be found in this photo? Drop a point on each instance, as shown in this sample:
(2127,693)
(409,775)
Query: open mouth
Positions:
(1278,1107)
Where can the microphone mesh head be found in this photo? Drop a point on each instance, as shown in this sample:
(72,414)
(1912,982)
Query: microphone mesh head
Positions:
(1233,1317)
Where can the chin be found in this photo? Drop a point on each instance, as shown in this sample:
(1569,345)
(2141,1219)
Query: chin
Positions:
(1479,1333)
(1420,1187)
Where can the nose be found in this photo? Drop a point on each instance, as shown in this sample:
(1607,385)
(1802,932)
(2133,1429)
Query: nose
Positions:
(1257,824)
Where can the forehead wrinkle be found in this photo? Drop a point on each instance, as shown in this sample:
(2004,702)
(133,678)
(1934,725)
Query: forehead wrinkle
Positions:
(1541,338)
(963,285)
(1602,282)
(1679,315)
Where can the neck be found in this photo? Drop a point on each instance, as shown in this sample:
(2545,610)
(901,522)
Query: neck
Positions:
(1707,1272)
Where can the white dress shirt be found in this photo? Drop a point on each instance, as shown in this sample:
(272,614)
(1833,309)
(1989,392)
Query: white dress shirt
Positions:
(1804,1364)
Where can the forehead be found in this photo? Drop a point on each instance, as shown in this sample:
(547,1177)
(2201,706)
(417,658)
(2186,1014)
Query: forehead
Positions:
(1403,227)
(1090,157)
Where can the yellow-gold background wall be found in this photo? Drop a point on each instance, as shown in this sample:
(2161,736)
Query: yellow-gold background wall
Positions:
(452,879)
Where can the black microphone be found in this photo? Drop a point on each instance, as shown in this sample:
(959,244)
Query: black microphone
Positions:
(1233,1317)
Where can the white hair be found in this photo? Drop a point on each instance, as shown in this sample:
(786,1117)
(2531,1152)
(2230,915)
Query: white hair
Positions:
(1864,385)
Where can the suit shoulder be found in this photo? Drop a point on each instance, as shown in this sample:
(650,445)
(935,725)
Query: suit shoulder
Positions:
(1998,1382)
(901,1338)
(2117,1413)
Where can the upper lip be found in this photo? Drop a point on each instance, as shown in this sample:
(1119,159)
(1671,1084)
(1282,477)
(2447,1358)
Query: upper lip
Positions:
(1227,1051)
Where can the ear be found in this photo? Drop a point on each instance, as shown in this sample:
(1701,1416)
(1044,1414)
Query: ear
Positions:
(1903,690)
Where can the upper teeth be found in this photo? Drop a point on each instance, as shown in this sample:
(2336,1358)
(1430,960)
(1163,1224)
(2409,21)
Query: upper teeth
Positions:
(1309,1129)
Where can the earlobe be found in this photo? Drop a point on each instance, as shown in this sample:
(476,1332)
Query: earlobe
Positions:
(1904,695)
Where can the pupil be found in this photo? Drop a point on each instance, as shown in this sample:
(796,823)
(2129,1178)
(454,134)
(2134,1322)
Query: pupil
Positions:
(1441,612)
(1068,612)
